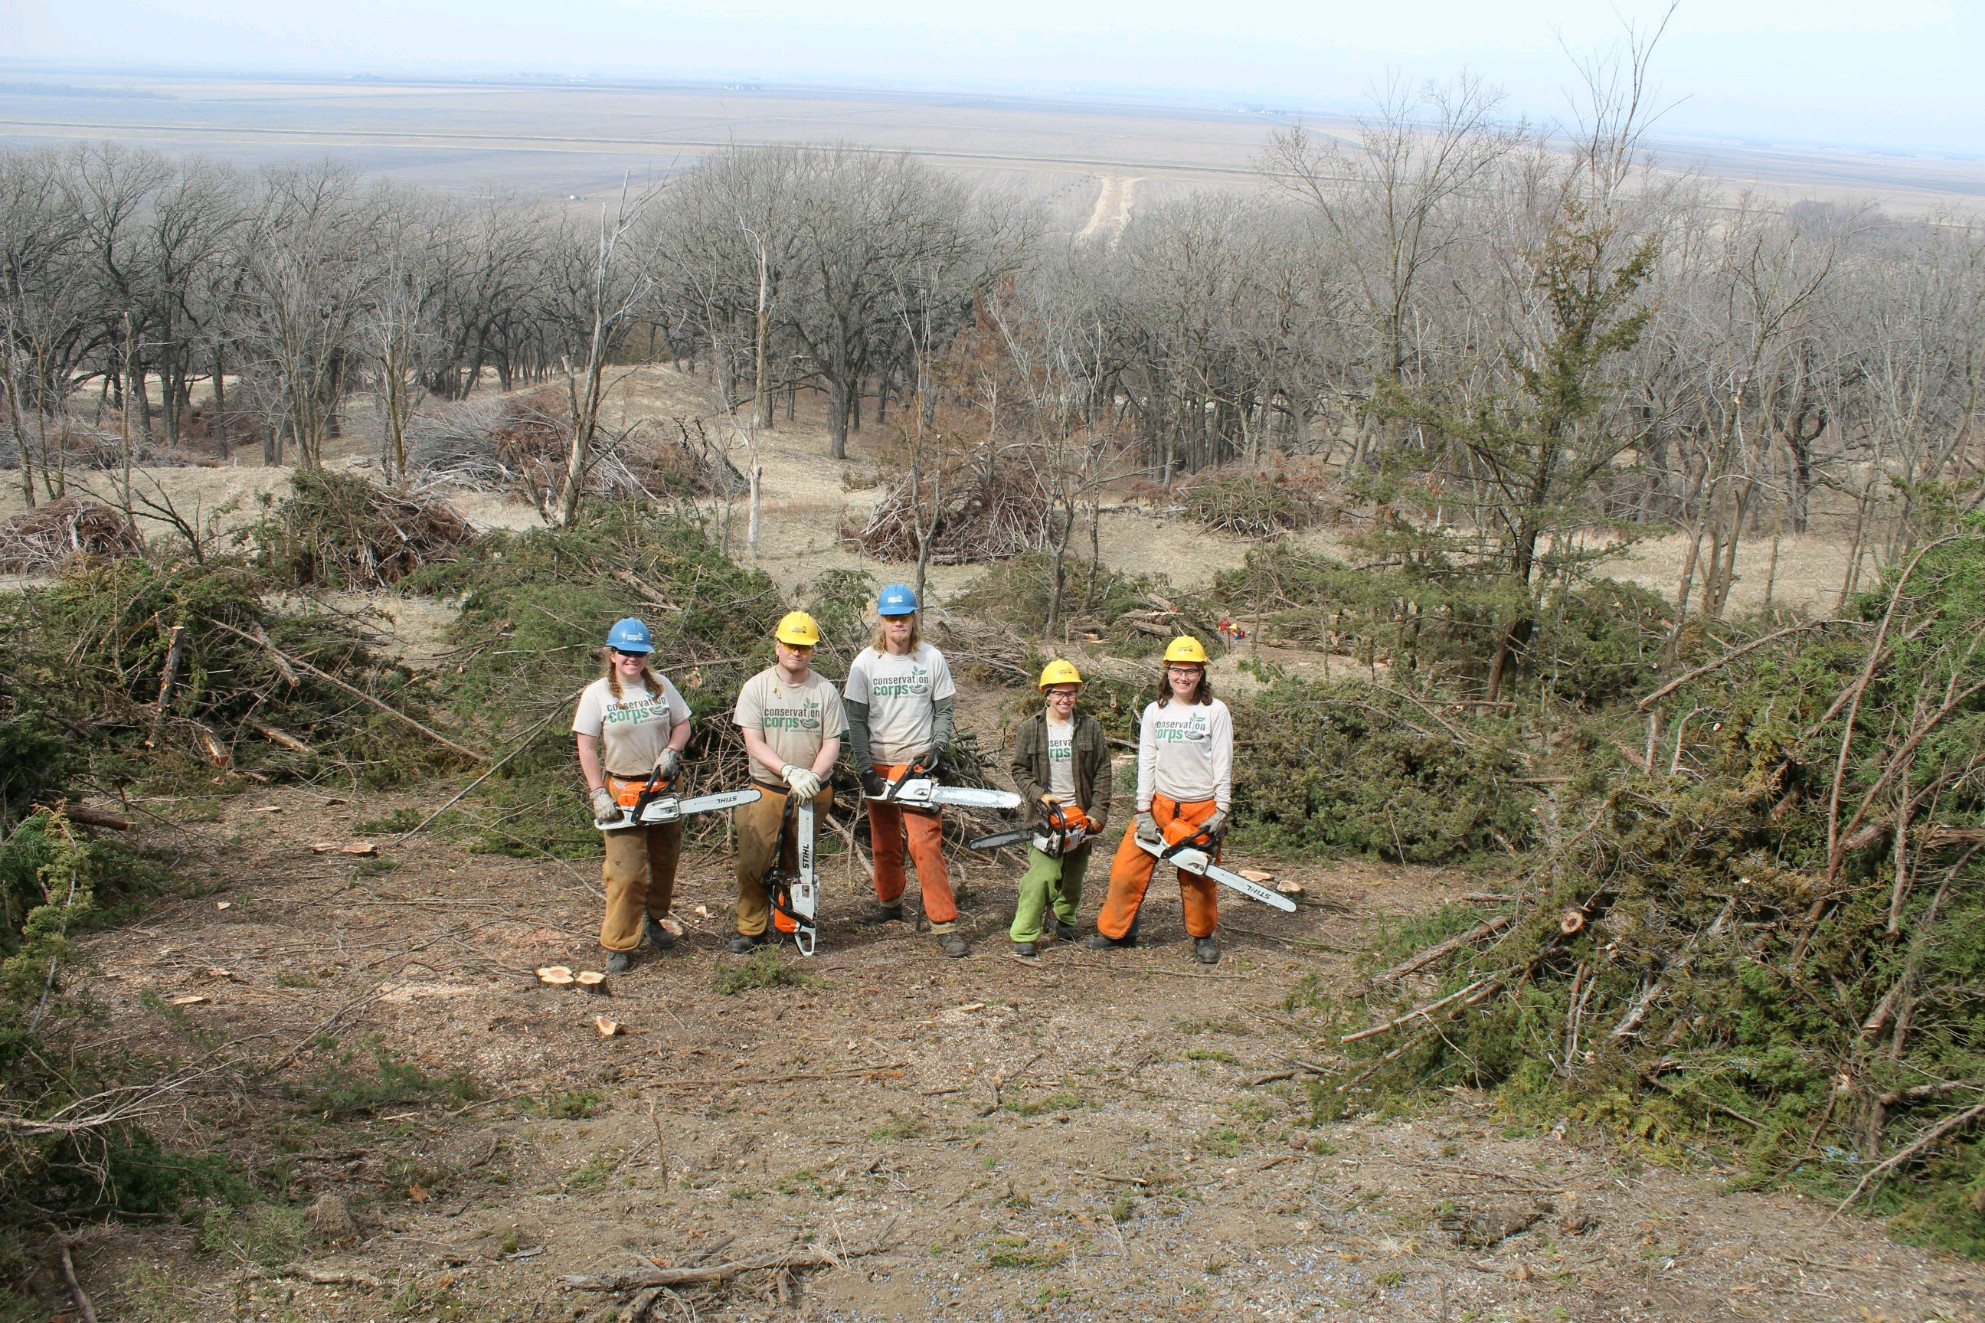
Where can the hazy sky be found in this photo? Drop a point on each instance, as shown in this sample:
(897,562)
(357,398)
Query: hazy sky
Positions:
(1894,73)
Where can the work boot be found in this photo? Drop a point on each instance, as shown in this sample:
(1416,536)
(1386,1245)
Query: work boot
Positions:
(619,962)
(1065,931)
(746,943)
(1205,950)
(1103,942)
(1027,949)
(658,937)
(879,915)
(953,945)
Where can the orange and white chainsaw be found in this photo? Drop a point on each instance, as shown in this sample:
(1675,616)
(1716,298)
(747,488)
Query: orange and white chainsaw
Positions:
(1193,853)
(650,801)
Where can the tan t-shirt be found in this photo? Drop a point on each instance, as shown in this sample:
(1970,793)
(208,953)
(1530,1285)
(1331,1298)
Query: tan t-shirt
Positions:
(633,729)
(1061,760)
(899,692)
(795,722)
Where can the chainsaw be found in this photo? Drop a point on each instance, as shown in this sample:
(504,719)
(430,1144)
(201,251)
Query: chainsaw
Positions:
(795,896)
(653,804)
(1055,837)
(914,787)
(1194,854)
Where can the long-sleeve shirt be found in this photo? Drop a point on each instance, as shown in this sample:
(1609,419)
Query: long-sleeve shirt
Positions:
(1185,752)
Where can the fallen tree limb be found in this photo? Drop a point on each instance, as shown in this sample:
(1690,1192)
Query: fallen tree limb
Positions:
(1732,655)
(284,662)
(812,1256)
(1433,953)
(855,1072)
(1488,984)
(1902,1155)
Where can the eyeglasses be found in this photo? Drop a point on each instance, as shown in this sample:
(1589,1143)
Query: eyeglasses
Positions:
(1192,672)
(897,620)
(624,653)
(796,647)
(1069,694)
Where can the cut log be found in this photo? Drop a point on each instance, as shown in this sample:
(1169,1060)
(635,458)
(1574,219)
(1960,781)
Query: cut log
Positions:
(591,980)
(558,976)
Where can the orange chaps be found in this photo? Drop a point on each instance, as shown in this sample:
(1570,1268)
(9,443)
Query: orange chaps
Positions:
(1131,869)
(888,828)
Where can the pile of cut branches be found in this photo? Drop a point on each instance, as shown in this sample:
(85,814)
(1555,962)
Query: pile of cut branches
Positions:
(152,669)
(969,515)
(1760,917)
(1263,506)
(42,540)
(341,531)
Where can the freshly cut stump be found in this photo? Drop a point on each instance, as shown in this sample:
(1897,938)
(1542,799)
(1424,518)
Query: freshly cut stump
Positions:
(556,975)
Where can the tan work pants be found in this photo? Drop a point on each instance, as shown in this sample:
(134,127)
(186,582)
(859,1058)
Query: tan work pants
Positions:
(757,827)
(640,880)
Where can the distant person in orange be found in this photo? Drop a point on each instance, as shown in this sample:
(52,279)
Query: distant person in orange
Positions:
(1185,783)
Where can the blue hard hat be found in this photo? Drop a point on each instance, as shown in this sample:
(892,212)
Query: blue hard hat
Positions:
(896,600)
(630,635)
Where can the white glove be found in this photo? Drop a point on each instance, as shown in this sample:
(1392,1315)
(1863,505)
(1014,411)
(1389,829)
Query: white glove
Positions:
(802,781)
(666,763)
(1147,829)
(604,807)
(1213,824)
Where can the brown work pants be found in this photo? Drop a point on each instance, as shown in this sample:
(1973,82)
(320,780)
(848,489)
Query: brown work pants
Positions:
(1130,873)
(640,880)
(757,827)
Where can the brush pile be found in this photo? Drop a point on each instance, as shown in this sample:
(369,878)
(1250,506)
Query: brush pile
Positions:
(190,665)
(44,539)
(1758,915)
(969,515)
(522,443)
(341,531)
(1261,506)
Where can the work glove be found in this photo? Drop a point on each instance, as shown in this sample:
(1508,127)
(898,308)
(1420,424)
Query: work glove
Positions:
(1213,824)
(667,762)
(802,781)
(1147,829)
(932,760)
(873,784)
(604,807)
(1050,801)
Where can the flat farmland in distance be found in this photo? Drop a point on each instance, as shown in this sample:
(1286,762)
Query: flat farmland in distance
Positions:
(579,138)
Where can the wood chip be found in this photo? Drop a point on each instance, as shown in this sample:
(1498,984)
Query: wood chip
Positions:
(1255,875)
(365,848)
(223,904)
(268,808)
(670,926)
(1289,888)
(185,999)
(702,912)
(556,975)
(608,1028)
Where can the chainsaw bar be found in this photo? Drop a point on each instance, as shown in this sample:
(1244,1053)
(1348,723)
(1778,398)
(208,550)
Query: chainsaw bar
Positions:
(1192,859)
(668,808)
(925,792)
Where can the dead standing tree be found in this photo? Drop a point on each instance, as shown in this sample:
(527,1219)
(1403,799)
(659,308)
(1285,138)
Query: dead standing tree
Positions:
(613,287)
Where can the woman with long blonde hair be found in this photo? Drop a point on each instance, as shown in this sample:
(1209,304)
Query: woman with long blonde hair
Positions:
(632,724)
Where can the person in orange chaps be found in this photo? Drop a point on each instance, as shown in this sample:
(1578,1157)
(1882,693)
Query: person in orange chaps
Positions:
(898,699)
(1185,766)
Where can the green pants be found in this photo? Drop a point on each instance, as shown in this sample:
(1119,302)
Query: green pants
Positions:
(1049,881)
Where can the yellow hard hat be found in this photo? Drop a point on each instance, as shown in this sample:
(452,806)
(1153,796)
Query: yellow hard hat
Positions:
(1185,648)
(1059,671)
(797,629)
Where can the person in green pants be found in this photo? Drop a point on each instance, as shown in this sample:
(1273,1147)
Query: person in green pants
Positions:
(1061,761)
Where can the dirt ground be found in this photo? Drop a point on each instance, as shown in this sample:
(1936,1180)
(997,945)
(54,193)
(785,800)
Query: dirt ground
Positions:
(1120,1135)
(1116,1135)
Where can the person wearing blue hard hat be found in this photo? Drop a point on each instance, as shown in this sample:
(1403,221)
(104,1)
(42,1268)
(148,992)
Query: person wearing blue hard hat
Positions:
(898,700)
(630,723)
